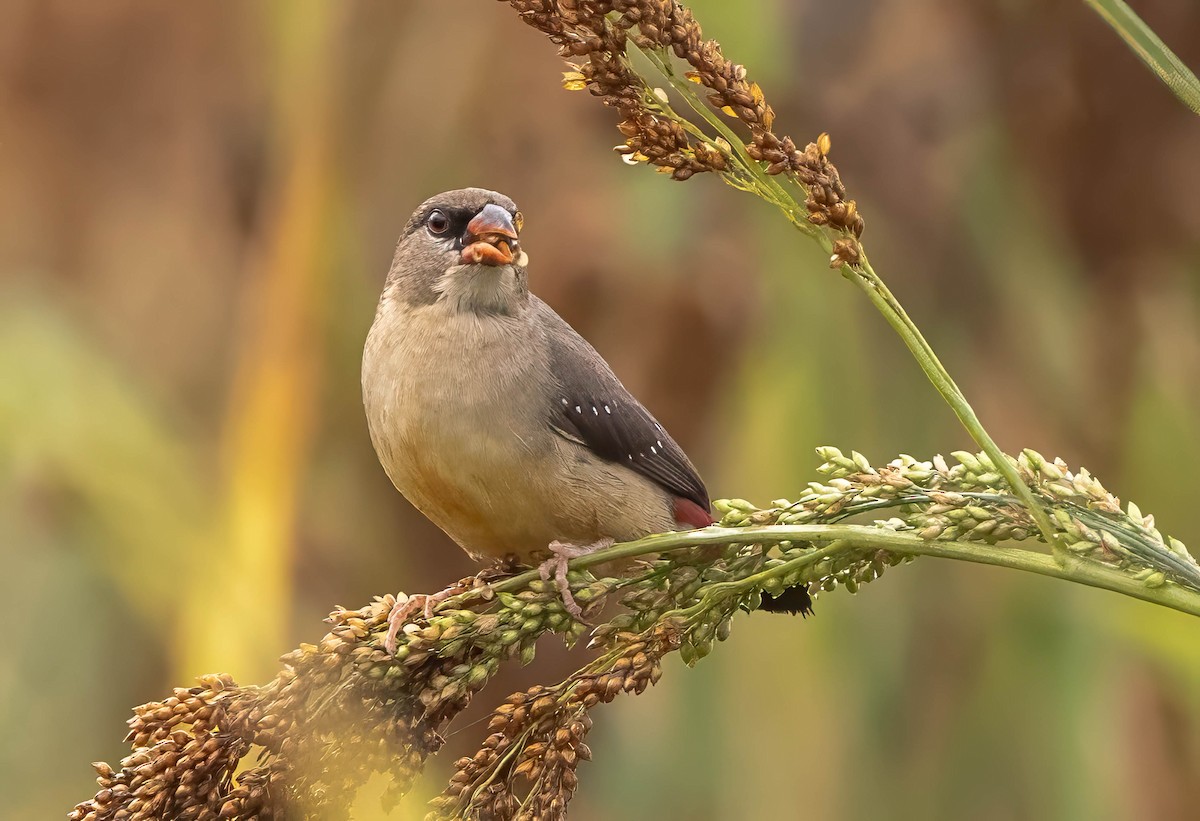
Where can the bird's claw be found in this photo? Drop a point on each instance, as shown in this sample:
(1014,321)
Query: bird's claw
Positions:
(402,611)
(406,608)
(556,567)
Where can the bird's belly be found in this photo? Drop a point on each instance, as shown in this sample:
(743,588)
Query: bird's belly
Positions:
(477,484)
(496,494)
(457,441)
(469,448)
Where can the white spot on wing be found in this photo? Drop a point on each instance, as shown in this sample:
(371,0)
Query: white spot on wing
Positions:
(565,402)
(607,409)
(653,449)
(578,409)
(594,411)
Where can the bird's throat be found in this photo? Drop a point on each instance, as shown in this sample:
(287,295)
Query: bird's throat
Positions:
(483,289)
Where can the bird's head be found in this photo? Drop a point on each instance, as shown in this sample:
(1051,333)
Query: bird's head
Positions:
(462,247)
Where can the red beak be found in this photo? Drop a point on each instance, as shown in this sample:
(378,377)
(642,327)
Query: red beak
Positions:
(491,238)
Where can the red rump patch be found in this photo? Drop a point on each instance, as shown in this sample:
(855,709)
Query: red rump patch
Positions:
(691,514)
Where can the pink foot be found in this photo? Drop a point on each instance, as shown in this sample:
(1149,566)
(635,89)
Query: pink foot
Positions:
(475,586)
(556,566)
(403,612)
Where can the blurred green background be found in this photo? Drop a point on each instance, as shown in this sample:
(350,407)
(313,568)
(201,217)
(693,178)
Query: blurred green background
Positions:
(198,203)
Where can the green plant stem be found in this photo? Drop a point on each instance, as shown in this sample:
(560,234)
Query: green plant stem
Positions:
(719,591)
(849,538)
(1134,542)
(1151,50)
(881,297)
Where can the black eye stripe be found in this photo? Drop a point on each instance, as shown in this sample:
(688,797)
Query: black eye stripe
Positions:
(459,217)
(456,214)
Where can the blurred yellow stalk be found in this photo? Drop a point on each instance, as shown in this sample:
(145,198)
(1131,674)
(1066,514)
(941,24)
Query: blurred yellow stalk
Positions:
(239,623)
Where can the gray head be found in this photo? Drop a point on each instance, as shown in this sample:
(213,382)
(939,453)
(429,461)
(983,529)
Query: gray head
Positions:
(461,248)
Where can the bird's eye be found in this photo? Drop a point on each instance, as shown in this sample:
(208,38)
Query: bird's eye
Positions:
(438,223)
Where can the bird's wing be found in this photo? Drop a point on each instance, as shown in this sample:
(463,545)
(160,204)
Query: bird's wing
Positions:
(595,410)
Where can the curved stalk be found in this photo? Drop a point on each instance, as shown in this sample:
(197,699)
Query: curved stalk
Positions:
(871,284)
(851,538)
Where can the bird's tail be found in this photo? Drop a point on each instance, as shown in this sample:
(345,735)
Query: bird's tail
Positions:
(793,600)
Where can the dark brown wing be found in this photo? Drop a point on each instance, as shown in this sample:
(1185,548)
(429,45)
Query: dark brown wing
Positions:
(594,409)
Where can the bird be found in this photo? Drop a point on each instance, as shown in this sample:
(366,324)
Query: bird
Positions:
(496,419)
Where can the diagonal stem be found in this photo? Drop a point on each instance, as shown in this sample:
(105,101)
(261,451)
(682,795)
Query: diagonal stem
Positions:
(1151,50)
(865,278)
(887,304)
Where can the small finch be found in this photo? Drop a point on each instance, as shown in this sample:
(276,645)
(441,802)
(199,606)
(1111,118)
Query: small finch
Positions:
(497,420)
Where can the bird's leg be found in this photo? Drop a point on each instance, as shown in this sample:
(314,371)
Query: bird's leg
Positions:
(556,566)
